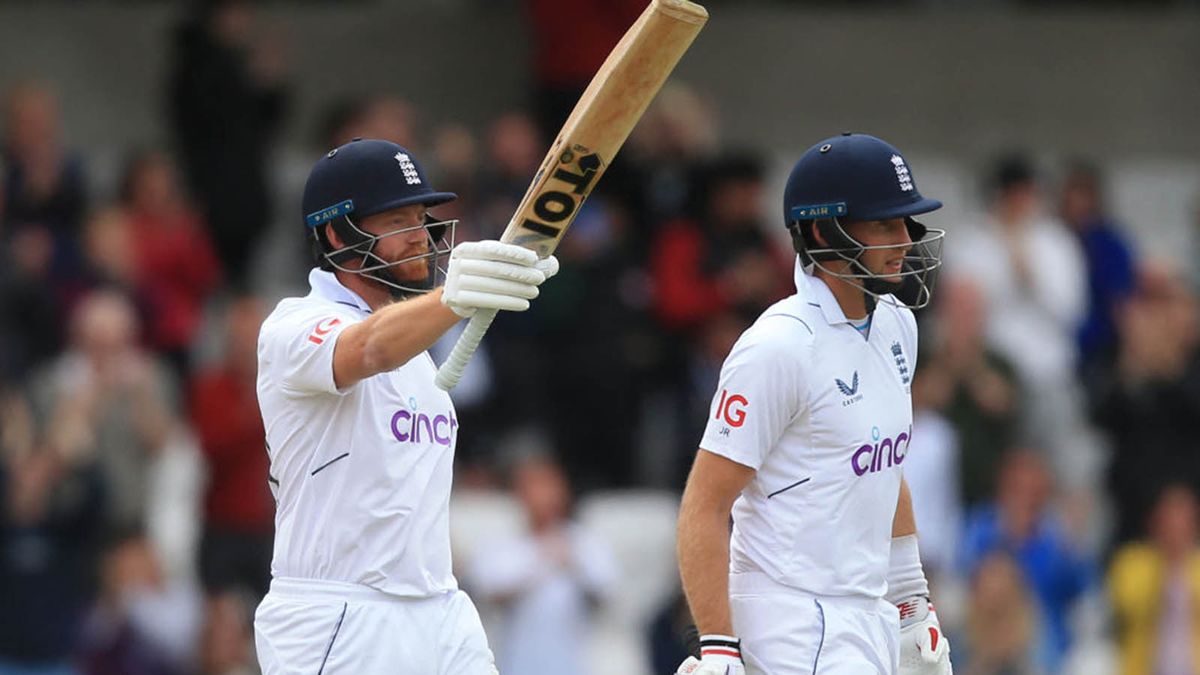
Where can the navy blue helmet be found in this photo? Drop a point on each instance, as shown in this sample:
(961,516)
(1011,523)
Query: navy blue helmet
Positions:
(360,179)
(853,178)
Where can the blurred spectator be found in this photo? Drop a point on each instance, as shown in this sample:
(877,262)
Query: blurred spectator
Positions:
(514,151)
(239,511)
(711,272)
(109,251)
(602,346)
(673,140)
(44,183)
(1110,264)
(227,101)
(385,117)
(176,268)
(720,258)
(226,646)
(52,509)
(564,57)
(673,635)
(1155,591)
(1022,524)
(983,402)
(30,310)
(1002,624)
(1153,396)
(1032,274)
(143,622)
(107,399)
(454,156)
(931,468)
(548,580)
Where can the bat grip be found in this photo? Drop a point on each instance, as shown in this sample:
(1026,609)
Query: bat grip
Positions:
(452,369)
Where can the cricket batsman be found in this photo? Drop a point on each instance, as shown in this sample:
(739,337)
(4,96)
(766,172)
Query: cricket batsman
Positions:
(806,442)
(361,441)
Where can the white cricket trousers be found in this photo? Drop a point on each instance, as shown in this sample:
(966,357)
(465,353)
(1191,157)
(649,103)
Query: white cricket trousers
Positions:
(785,631)
(310,627)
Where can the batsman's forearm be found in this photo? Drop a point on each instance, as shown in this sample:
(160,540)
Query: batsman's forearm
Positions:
(391,337)
(404,329)
(703,550)
(904,523)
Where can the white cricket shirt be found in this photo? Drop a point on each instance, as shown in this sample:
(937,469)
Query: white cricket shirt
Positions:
(824,416)
(361,476)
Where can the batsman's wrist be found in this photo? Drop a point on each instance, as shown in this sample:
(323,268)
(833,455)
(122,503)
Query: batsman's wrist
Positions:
(915,609)
(720,649)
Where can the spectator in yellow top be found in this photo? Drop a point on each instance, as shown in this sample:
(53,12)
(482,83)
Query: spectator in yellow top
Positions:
(1155,591)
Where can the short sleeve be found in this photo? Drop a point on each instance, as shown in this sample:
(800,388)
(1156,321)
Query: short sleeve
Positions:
(295,348)
(760,392)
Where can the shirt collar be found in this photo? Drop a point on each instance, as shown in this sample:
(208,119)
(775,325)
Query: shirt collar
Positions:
(816,293)
(326,285)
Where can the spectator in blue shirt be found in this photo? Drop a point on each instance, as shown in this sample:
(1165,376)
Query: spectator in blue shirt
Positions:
(1020,523)
(1110,260)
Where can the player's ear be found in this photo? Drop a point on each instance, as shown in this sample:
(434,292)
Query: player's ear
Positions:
(815,234)
(331,235)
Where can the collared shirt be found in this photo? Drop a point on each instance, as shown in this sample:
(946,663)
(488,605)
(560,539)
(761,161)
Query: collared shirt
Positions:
(361,475)
(824,416)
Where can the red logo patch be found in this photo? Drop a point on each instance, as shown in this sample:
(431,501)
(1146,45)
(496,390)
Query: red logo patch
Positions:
(733,416)
(322,329)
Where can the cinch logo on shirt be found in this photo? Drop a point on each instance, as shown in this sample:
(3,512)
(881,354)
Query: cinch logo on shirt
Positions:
(732,409)
(883,454)
(415,427)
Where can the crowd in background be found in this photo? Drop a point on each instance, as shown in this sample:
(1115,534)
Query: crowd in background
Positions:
(1054,474)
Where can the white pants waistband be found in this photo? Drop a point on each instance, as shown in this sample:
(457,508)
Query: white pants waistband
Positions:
(323,589)
(760,583)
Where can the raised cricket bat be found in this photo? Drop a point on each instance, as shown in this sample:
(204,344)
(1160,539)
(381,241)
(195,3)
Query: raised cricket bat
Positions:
(608,110)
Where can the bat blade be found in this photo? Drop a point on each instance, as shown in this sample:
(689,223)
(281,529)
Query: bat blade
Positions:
(596,129)
(602,120)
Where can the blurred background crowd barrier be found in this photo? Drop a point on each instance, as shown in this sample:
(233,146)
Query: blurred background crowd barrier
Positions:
(152,159)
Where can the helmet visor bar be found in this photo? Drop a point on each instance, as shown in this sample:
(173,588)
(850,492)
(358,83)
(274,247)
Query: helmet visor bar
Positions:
(912,285)
(436,253)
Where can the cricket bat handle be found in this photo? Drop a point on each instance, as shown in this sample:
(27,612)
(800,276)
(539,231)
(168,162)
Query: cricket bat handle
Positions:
(451,371)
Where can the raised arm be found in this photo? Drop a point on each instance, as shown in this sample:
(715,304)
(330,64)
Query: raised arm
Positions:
(390,337)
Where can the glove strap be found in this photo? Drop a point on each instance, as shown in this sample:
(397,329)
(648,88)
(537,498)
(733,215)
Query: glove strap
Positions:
(914,609)
(720,648)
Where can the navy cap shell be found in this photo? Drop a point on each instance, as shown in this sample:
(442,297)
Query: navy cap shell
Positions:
(856,177)
(365,177)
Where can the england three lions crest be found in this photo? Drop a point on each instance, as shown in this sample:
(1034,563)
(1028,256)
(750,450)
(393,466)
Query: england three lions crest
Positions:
(901,362)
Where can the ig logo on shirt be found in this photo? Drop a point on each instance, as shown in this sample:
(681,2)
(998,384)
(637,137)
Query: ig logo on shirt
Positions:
(732,410)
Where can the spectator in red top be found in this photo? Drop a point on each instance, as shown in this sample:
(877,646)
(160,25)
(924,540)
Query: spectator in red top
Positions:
(720,259)
(712,271)
(239,511)
(569,42)
(176,268)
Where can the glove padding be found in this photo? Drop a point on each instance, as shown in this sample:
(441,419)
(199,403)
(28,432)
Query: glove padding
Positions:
(924,650)
(494,275)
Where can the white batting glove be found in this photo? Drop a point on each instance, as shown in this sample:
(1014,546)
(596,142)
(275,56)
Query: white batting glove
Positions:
(924,650)
(494,275)
(719,655)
